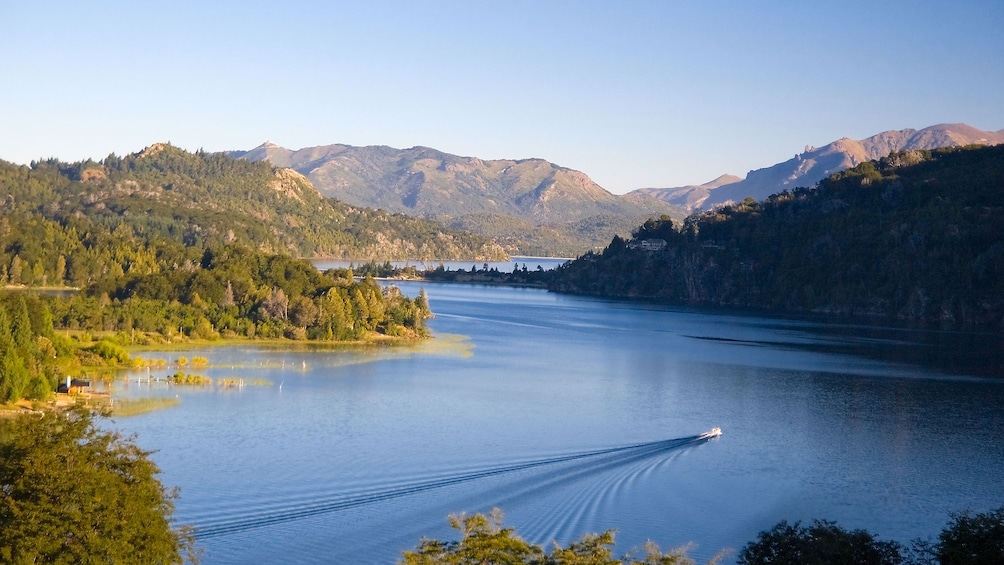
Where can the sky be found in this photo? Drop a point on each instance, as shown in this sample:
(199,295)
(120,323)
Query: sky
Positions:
(635,94)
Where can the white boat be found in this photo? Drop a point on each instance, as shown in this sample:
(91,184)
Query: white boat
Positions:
(715,432)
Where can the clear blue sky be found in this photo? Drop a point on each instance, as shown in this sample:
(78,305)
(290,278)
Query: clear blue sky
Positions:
(633,93)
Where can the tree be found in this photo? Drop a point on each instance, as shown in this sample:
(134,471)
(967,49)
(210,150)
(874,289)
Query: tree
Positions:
(276,305)
(422,302)
(591,549)
(203,329)
(332,312)
(60,275)
(823,543)
(302,312)
(972,539)
(20,325)
(375,307)
(71,493)
(485,541)
(15,270)
(360,307)
(228,297)
(14,375)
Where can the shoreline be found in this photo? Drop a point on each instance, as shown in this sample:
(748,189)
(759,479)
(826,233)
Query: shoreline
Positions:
(375,340)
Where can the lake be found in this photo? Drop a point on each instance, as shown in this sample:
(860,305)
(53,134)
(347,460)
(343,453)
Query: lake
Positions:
(578,415)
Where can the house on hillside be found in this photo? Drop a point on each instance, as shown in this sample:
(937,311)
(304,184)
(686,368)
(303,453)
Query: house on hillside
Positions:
(647,244)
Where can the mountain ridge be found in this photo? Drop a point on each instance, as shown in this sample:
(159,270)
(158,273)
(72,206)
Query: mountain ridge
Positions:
(460,190)
(540,208)
(690,196)
(530,183)
(814,164)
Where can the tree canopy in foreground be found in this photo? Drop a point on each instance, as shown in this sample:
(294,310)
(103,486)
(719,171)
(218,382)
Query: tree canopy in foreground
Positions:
(71,493)
(968,539)
(485,541)
(823,542)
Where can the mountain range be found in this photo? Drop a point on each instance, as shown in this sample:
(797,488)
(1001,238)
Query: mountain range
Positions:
(814,164)
(535,207)
(530,206)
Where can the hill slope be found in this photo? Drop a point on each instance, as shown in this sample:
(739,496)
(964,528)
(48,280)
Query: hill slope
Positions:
(210,198)
(918,235)
(465,190)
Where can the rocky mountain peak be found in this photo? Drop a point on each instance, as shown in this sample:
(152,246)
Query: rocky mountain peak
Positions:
(813,165)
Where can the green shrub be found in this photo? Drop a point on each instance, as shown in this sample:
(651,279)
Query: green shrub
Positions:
(110,351)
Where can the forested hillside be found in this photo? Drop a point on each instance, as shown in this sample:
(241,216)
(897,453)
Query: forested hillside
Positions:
(212,199)
(566,240)
(145,290)
(167,246)
(918,235)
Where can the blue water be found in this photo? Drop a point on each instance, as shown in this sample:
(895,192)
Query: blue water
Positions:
(577,415)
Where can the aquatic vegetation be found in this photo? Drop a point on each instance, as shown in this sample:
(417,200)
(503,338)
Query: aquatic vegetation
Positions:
(142,363)
(180,378)
(134,406)
(241,383)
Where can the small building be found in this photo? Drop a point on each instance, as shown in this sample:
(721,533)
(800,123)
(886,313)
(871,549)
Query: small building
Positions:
(73,386)
(648,244)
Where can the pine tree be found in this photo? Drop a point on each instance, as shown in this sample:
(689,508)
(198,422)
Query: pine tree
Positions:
(60,276)
(20,326)
(360,307)
(15,270)
(13,372)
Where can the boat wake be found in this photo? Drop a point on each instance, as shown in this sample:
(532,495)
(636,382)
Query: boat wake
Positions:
(588,462)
